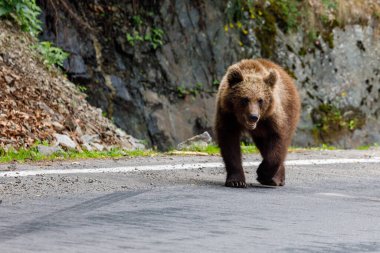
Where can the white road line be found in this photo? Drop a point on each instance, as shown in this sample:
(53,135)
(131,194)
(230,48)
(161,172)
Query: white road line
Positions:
(185,166)
(340,195)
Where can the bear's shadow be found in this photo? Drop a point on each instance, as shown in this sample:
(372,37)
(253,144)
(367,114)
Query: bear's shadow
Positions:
(221,184)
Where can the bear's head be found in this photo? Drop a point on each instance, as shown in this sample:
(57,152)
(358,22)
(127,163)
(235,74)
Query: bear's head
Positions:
(250,95)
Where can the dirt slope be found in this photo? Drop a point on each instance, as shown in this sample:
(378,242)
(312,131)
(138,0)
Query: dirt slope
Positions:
(37,103)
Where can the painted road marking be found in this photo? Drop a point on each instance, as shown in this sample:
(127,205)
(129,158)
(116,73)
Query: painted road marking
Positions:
(345,196)
(184,166)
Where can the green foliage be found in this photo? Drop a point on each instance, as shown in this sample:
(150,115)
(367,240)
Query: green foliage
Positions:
(154,37)
(248,149)
(322,147)
(183,91)
(32,154)
(377,15)
(328,116)
(312,35)
(24,12)
(327,147)
(262,18)
(265,17)
(210,149)
(82,88)
(51,55)
(364,147)
(137,20)
(215,83)
(287,13)
(330,121)
(197,89)
(367,147)
(330,4)
(213,149)
(235,9)
(19,155)
(133,38)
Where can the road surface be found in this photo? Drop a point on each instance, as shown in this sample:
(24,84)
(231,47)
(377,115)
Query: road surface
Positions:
(331,203)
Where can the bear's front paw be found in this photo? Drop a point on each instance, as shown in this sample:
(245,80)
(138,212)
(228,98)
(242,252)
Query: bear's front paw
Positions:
(236,182)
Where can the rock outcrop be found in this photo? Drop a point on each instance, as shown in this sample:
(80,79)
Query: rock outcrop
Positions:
(154,67)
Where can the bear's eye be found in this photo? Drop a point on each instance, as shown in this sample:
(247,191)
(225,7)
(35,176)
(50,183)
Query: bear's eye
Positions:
(244,102)
(260,101)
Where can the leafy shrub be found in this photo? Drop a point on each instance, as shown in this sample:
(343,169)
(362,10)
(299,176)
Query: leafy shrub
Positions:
(155,37)
(24,12)
(133,38)
(52,55)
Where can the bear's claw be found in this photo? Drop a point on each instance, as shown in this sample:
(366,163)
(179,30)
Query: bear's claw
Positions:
(236,184)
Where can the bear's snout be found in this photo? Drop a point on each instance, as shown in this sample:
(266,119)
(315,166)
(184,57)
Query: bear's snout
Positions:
(253,118)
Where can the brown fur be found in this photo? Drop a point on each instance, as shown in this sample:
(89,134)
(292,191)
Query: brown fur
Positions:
(254,90)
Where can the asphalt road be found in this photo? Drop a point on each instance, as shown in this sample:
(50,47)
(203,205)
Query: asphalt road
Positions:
(322,208)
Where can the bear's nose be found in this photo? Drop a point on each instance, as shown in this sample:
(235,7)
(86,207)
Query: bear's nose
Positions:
(253,118)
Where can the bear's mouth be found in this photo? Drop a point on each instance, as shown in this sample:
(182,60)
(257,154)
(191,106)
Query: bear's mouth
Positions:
(251,126)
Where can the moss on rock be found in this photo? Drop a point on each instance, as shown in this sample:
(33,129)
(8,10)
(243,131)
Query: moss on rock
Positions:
(331,122)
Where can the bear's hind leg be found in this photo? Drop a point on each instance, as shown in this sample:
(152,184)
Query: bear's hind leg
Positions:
(271,171)
(273,175)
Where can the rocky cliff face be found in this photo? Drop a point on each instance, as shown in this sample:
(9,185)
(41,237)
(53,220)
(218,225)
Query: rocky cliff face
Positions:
(340,88)
(154,67)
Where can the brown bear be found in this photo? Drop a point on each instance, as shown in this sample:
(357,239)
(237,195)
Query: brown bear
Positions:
(259,97)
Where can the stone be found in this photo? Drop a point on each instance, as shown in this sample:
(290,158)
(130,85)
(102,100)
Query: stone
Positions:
(201,140)
(132,143)
(70,123)
(87,138)
(48,150)
(9,79)
(78,131)
(120,88)
(97,146)
(76,65)
(57,126)
(87,147)
(120,132)
(65,141)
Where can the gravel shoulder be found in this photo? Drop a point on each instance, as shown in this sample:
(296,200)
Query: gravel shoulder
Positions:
(15,189)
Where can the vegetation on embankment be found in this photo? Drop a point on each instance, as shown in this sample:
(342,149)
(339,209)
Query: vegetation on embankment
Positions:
(33,155)
(37,102)
(25,13)
(315,18)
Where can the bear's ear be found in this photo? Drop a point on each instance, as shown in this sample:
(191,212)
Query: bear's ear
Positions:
(271,79)
(234,77)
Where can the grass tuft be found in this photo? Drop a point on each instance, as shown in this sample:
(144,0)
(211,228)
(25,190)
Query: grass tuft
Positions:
(32,154)
(213,149)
